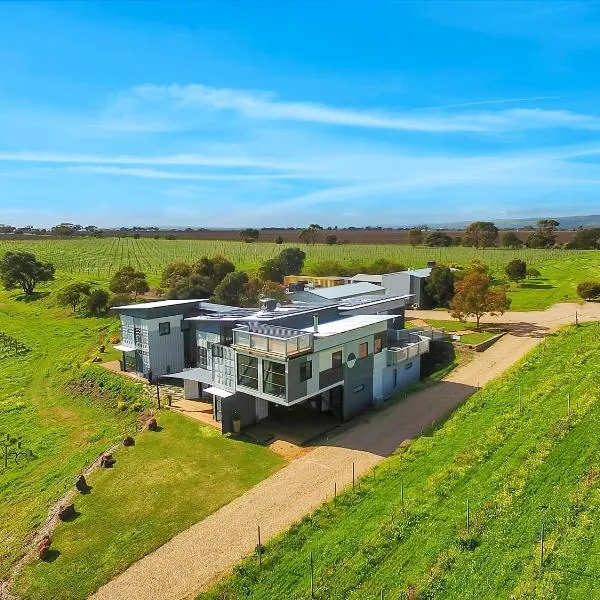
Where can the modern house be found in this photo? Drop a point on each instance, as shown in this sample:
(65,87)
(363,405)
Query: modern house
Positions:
(342,357)
(401,283)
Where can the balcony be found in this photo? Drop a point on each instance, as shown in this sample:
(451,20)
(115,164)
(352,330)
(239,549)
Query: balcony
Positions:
(410,347)
(282,342)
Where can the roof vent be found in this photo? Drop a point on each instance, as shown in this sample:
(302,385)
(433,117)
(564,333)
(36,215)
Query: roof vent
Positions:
(268,304)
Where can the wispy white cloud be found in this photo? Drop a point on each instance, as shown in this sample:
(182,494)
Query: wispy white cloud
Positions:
(180,99)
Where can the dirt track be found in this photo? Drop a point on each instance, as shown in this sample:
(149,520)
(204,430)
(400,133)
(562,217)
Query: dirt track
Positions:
(197,557)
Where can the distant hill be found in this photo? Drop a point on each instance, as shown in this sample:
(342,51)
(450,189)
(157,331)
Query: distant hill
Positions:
(565,222)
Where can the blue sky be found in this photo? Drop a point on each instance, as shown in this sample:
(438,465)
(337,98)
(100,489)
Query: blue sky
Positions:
(265,113)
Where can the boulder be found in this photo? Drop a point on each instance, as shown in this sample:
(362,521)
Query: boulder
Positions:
(81,485)
(66,512)
(44,547)
(107,461)
(152,425)
(128,441)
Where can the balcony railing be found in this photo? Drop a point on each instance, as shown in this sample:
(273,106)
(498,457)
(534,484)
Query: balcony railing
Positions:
(284,343)
(414,345)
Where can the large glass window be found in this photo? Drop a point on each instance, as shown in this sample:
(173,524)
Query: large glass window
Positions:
(203,357)
(247,371)
(274,378)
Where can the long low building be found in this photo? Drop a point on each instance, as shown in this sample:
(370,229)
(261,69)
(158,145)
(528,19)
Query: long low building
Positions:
(341,358)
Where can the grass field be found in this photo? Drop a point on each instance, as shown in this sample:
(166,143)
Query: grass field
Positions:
(518,470)
(477,337)
(43,400)
(168,481)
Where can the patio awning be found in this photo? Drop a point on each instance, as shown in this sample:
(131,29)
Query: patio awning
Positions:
(218,392)
(196,374)
(124,347)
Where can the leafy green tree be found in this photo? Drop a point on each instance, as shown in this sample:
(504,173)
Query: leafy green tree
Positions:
(98,301)
(532,273)
(544,236)
(474,296)
(175,271)
(589,290)
(439,239)
(585,239)
(191,287)
(330,267)
(516,270)
(271,270)
(311,234)
(331,240)
(383,265)
(22,269)
(440,285)
(457,240)
(481,234)
(129,281)
(292,261)
(415,236)
(73,295)
(279,240)
(511,240)
(232,289)
(215,268)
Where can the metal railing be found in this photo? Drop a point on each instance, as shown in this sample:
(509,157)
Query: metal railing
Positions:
(411,346)
(270,344)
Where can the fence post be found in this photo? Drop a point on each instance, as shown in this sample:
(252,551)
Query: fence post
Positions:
(259,549)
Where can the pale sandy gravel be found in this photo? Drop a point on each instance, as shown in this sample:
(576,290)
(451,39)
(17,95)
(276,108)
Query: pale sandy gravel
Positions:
(196,558)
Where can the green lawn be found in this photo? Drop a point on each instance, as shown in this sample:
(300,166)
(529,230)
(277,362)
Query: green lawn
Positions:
(168,481)
(519,470)
(66,428)
(477,337)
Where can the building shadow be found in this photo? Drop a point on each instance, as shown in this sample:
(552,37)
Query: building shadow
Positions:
(525,329)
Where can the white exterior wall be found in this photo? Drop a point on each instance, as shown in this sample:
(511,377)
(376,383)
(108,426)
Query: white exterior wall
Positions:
(166,351)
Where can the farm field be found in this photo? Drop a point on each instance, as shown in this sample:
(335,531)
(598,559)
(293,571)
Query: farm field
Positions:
(404,529)
(67,427)
(96,259)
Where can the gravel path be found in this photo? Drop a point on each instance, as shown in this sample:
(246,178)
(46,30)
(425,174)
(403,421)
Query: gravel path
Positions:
(196,558)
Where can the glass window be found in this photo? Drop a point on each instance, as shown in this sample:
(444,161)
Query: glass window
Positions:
(203,357)
(274,378)
(363,350)
(164,328)
(247,371)
(336,360)
(379,342)
(306,370)
(359,388)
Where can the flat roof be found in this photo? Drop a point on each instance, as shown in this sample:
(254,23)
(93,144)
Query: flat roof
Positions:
(426,272)
(348,324)
(358,301)
(368,277)
(347,290)
(157,304)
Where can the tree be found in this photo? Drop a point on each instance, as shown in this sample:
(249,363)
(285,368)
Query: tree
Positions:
(589,290)
(516,270)
(383,265)
(440,285)
(271,270)
(476,266)
(65,229)
(481,234)
(330,267)
(249,235)
(532,273)
(232,289)
(279,240)
(311,234)
(215,268)
(129,281)
(22,269)
(97,301)
(415,236)
(585,239)
(439,238)
(292,261)
(475,296)
(73,295)
(331,240)
(457,240)
(510,240)
(192,286)
(175,271)
(544,236)
(274,291)
(256,289)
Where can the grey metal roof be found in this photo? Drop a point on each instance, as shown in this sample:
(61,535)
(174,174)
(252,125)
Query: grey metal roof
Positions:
(357,301)
(348,290)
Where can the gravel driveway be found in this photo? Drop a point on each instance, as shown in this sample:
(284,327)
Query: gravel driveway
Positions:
(196,558)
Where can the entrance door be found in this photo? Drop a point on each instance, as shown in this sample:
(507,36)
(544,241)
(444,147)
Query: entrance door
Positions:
(217,409)
(262,408)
